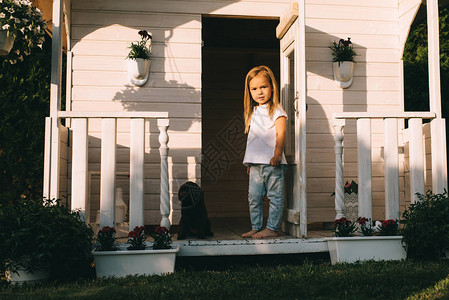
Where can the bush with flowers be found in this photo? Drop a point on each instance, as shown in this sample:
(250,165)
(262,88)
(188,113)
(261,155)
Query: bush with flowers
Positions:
(24,21)
(344,227)
(136,239)
(389,227)
(162,238)
(140,49)
(366,225)
(106,239)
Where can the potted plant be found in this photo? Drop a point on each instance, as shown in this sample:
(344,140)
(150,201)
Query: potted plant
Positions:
(136,258)
(42,239)
(22,29)
(139,59)
(343,62)
(346,248)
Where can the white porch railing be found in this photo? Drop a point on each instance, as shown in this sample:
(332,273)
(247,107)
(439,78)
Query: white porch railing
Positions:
(391,159)
(79,191)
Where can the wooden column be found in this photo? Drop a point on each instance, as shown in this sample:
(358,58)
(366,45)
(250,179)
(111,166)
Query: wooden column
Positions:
(107,185)
(47,158)
(391,156)
(80,166)
(416,158)
(339,124)
(364,164)
(438,125)
(137,167)
(162,124)
(55,96)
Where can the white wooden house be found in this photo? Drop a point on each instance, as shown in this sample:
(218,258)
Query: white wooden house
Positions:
(201,52)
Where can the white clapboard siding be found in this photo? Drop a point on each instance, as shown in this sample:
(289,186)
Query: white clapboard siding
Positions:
(242,8)
(102,31)
(96,78)
(158,64)
(376,69)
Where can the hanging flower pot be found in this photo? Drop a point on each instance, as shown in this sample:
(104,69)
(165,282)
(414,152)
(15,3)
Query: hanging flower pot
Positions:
(343,57)
(139,59)
(6,42)
(138,71)
(343,73)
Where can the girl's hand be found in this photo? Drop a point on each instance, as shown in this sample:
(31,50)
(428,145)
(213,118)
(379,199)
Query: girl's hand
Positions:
(276,160)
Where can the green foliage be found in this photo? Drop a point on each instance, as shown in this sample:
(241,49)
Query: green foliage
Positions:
(243,278)
(106,239)
(416,78)
(389,227)
(140,49)
(344,227)
(426,229)
(37,234)
(342,51)
(24,103)
(24,21)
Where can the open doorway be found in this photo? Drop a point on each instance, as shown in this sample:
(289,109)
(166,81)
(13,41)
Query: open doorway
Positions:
(231,47)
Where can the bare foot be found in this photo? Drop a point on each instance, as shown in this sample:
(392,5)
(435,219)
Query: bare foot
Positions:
(265,233)
(249,233)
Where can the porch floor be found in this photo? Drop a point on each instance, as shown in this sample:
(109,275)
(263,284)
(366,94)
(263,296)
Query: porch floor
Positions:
(227,240)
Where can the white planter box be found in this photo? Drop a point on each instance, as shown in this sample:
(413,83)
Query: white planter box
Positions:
(352,249)
(121,263)
(23,276)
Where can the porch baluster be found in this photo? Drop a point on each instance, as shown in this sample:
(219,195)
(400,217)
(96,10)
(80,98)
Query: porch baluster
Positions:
(339,124)
(80,167)
(162,124)
(364,167)
(107,188)
(391,155)
(416,158)
(137,167)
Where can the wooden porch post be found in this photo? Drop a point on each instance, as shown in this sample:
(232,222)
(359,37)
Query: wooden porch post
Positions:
(416,158)
(364,163)
(55,97)
(137,176)
(162,124)
(391,155)
(438,125)
(339,124)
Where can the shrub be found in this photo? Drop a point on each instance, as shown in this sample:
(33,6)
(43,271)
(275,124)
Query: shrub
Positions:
(426,226)
(44,234)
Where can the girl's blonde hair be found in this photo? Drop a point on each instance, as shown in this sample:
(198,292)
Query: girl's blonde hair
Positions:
(248,101)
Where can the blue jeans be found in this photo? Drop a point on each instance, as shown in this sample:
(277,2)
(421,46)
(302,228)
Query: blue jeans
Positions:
(266,180)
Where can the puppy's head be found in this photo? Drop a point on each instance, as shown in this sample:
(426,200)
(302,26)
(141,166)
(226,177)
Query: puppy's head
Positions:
(190,194)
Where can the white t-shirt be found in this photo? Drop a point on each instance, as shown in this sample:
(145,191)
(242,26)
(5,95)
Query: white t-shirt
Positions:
(261,141)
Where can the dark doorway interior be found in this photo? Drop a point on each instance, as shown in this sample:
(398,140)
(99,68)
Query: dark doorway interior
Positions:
(231,48)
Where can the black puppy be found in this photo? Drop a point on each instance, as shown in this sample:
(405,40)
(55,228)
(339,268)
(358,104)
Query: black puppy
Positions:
(194,221)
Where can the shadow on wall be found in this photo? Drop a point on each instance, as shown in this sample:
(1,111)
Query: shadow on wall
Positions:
(325,97)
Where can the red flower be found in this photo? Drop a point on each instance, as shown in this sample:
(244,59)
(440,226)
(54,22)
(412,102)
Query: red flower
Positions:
(107,229)
(160,230)
(362,221)
(145,34)
(347,185)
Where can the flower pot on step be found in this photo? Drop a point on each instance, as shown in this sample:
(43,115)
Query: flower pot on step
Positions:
(352,249)
(121,263)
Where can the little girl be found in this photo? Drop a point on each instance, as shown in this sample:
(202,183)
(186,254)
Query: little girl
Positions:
(265,120)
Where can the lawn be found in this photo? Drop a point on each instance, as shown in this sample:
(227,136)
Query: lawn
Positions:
(267,277)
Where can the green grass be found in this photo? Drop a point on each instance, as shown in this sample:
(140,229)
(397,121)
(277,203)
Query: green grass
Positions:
(268,277)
